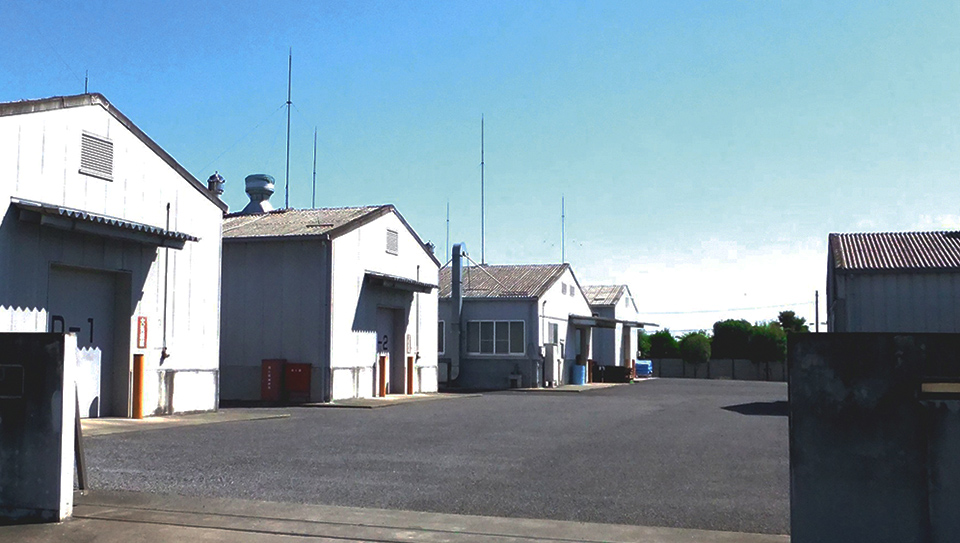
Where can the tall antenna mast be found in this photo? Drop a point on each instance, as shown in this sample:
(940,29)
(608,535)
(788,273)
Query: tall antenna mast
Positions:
(286,190)
(448,226)
(563,233)
(483,259)
(313,202)
(86,74)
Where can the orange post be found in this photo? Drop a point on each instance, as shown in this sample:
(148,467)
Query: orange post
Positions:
(383,376)
(409,375)
(138,386)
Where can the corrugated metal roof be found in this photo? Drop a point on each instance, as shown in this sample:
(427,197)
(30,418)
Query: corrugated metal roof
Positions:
(511,281)
(94,218)
(918,251)
(292,222)
(604,294)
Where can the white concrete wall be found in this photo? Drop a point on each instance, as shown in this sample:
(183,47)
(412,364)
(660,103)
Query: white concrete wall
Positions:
(556,307)
(353,351)
(895,302)
(276,304)
(39,161)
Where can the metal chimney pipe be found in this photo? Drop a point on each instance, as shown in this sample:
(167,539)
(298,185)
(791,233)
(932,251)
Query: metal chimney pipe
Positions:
(456,316)
(215,183)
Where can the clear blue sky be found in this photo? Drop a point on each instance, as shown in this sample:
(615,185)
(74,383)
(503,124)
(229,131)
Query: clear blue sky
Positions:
(706,149)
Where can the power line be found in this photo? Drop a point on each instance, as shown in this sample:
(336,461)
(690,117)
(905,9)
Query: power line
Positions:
(243,137)
(724,310)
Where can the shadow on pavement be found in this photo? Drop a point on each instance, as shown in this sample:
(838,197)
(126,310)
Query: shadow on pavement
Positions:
(778,408)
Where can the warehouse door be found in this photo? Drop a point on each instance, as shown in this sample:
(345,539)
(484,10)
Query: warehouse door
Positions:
(385,342)
(390,343)
(84,302)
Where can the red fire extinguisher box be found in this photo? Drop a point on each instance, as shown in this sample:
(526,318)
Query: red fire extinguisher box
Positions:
(297,382)
(271,379)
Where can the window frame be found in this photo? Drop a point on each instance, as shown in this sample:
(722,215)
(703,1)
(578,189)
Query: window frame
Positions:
(491,341)
(441,337)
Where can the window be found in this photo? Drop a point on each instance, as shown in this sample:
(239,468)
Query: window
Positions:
(563,288)
(96,156)
(393,242)
(495,337)
(440,337)
(516,337)
(571,291)
(554,334)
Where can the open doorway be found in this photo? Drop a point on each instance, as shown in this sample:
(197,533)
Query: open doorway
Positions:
(391,347)
(94,304)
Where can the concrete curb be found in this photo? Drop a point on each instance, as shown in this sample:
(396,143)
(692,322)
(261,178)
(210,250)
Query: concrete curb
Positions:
(107,426)
(389,401)
(567,389)
(111,517)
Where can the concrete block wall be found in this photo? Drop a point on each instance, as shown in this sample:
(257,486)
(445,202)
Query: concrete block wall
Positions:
(740,370)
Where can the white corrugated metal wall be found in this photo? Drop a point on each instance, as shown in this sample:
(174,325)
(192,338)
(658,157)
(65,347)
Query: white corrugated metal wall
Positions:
(39,161)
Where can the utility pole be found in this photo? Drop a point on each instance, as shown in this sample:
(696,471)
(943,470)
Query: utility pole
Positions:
(483,259)
(563,232)
(816,310)
(448,226)
(313,201)
(286,190)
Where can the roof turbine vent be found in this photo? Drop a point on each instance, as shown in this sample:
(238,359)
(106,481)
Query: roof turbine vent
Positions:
(215,183)
(259,188)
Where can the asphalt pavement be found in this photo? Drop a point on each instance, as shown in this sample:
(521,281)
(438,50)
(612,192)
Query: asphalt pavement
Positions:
(692,454)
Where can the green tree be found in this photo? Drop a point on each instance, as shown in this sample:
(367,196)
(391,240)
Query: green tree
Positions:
(731,339)
(768,344)
(664,345)
(695,349)
(790,322)
(643,343)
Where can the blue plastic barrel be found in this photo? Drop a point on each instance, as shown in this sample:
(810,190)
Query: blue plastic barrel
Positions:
(578,374)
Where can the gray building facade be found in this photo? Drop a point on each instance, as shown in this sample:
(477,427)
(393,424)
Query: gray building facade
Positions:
(349,292)
(894,282)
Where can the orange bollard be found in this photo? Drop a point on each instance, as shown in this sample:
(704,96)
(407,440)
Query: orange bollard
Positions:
(409,375)
(138,386)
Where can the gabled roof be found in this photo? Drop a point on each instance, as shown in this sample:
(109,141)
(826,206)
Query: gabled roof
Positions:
(327,222)
(510,281)
(96,99)
(292,222)
(895,251)
(604,294)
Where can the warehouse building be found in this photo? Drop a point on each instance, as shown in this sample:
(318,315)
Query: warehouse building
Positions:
(340,301)
(105,235)
(616,345)
(894,282)
(511,325)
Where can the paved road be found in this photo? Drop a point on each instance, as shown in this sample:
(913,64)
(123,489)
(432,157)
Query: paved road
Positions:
(680,453)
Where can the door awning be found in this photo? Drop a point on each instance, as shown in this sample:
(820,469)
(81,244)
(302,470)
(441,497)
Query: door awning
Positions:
(402,283)
(75,220)
(605,322)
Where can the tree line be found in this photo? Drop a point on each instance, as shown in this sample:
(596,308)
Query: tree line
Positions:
(763,342)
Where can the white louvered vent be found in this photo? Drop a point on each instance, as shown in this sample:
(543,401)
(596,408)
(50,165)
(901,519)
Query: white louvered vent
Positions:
(96,156)
(393,242)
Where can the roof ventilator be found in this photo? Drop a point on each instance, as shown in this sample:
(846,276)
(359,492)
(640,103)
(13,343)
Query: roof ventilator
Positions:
(259,187)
